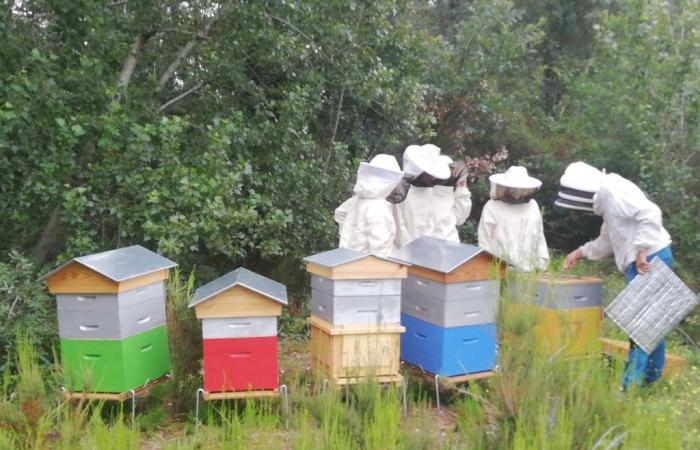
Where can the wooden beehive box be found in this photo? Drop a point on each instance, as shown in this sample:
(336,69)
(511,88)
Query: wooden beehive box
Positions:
(570,332)
(346,264)
(111,314)
(448,262)
(239,326)
(350,352)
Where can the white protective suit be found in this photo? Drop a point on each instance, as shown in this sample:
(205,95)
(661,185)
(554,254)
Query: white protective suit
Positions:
(631,223)
(366,220)
(515,234)
(430,211)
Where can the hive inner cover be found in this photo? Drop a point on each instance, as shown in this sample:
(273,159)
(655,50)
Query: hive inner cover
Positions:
(652,305)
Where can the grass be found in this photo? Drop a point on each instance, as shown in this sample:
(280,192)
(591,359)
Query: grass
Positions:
(535,401)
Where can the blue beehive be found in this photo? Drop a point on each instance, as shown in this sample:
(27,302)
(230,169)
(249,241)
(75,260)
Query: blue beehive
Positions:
(448,307)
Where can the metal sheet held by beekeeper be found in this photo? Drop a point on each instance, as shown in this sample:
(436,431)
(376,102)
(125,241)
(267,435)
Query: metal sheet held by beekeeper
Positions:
(652,305)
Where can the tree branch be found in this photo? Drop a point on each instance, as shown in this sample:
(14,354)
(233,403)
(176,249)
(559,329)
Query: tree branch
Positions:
(182,54)
(170,102)
(337,114)
(135,50)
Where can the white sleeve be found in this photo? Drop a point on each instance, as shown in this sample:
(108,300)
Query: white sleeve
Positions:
(487,230)
(648,218)
(462,204)
(342,211)
(600,247)
(542,250)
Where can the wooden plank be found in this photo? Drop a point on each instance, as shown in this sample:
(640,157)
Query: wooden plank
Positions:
(384,379)
(239,394)
(370,267)
(114,396)
(453,379)
(78,279)
(143,280)
(673,366)
(355,328)
(237,302)
(567,279)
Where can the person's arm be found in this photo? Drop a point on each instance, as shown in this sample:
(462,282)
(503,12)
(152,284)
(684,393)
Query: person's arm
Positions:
(542,250)
(648,219)
(596,249)
(462,203)
(487,231)
(342,211)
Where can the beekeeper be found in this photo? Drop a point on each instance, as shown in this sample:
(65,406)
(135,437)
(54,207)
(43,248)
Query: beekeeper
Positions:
(511,223)
(632,231)
(366,220)
(436,201)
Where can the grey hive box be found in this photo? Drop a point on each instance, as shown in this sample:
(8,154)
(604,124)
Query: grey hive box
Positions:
(451,305)
(557,292)
(449,284)
(350,287)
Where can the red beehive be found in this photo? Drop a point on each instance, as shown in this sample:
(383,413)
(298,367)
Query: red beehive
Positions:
(239,326)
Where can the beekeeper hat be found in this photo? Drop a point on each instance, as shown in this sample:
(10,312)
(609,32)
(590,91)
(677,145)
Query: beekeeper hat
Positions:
(381,166)
(579,184)
(418,159)
(515,177)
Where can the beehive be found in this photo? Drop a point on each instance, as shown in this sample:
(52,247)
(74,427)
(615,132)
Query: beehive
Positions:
(111,316)
(566,309)
(239,326)
(449,304)
(355,315)
(355,351)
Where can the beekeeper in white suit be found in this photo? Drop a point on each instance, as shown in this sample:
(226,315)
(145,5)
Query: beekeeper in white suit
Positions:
(632,231)
(436,203)
(366,220)
(511,223)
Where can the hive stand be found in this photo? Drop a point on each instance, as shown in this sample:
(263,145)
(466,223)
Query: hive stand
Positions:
(239,325)
(239,395)
(452,381)
(449,305)
(142,391)
(112,324)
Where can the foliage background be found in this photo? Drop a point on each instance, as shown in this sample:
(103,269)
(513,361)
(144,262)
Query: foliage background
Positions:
(225,133)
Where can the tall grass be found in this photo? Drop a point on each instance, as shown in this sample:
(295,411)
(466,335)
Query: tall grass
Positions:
(535,401)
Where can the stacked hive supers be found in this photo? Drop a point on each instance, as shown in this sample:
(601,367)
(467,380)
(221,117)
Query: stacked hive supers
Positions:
(355,314)
(566,311)
(449,305)
(111,319)
(239,326)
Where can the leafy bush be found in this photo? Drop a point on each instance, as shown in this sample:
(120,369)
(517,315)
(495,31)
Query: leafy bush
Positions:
(25,306)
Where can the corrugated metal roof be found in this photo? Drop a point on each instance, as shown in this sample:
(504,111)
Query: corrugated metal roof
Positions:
(436,254)
(121,264)
(243,277)
(650,306)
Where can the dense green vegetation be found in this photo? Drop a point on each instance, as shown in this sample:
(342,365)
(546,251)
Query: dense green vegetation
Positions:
(225,133)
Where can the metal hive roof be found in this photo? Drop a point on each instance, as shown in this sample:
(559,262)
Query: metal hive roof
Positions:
(121,264)
(340,256)
(243,277)
(436,254)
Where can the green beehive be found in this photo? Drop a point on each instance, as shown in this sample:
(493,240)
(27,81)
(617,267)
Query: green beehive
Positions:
(111,319)
(112,365)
